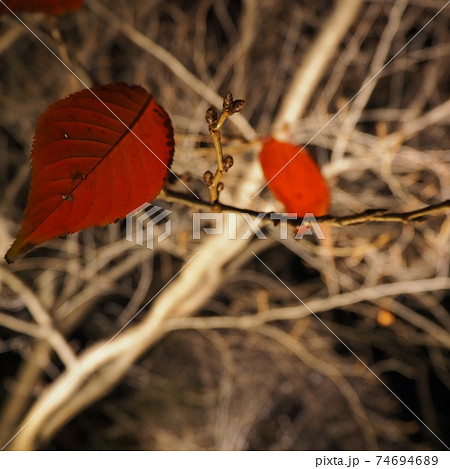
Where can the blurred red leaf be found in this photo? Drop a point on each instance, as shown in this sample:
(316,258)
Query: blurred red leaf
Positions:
(52,7)
(88,168)
(299,185)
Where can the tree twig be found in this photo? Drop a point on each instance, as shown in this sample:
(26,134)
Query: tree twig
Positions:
(273,218)
(179,70)
(318,305)
(41,316)
(215,124)
(309,74)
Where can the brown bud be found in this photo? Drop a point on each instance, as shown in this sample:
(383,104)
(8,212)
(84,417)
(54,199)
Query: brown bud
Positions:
(220,187)
(227,101)
(236,106)
(228,162)
(208,178)
(211,116)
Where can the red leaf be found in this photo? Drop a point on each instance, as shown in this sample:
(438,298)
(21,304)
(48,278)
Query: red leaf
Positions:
(52,7)
(88,168)
(299,185)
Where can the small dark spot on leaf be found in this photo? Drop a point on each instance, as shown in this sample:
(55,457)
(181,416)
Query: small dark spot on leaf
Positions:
(77,175)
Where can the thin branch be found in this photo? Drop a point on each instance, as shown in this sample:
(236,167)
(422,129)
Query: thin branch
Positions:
(332,372)
(10,35)
(318,305)
(41,316)
(438,115)
(215,125)
(18,325)
(373,76)
(170,61)
(308,75)
(22,390)
(273,218)
(200,276)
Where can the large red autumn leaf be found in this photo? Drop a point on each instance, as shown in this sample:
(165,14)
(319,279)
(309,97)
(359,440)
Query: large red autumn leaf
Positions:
(298,184)
(88,168)
(52,7)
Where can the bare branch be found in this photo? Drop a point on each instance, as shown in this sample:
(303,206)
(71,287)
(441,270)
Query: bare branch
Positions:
(309,74)
(215,124)
(41,316)
(372,215)
(318,305)
(170,61)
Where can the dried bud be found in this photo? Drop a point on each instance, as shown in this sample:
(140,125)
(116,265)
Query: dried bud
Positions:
(228,162)
(208,178)
(236,106)
(220,187)
(211,116)
(227,101)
